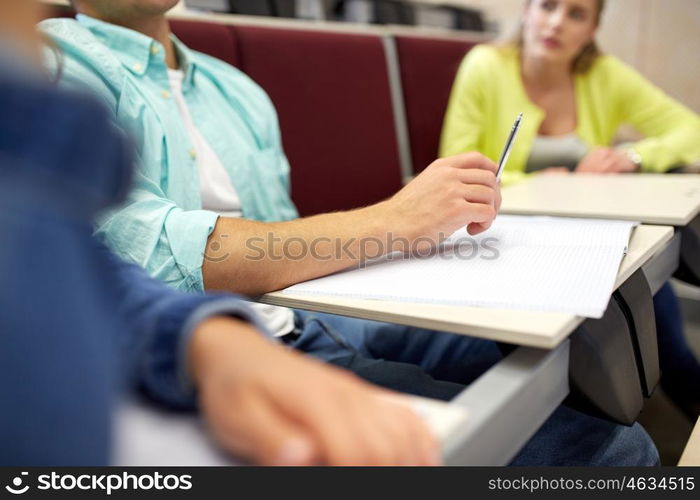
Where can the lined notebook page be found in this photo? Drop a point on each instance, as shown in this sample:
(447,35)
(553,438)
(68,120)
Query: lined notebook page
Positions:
(534,263)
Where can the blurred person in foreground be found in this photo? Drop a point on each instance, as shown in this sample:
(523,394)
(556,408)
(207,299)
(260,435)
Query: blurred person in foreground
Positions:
(77,324)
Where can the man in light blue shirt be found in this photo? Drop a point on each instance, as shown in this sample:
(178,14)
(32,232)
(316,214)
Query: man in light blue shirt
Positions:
(77,323)
(183,106)
(163,227)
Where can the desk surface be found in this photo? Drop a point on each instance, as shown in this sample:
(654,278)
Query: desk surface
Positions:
(147,435)
(530,328)
(670,199)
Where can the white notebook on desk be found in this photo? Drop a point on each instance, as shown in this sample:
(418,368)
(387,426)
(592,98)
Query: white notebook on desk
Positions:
(533,263)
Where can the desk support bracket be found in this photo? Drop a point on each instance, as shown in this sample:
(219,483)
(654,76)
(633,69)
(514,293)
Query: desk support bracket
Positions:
(689,268)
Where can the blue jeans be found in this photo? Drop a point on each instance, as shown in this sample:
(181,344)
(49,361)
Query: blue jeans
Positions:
(439,365)
(680,369)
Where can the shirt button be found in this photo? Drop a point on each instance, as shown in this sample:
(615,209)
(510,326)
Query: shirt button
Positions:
(193,154)
(166,94)
(155,50)
(137,67)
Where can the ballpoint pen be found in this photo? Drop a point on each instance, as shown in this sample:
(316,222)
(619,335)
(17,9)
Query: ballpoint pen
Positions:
(508,146)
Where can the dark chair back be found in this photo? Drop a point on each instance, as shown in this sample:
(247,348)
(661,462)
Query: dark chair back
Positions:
(332,94)
(428,68)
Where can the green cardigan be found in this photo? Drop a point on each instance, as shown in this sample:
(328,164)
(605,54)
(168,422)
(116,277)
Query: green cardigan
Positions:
(488,93)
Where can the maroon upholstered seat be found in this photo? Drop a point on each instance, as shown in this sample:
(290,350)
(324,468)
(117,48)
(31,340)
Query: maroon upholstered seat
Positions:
(331,91)
(428,68)
(214,39)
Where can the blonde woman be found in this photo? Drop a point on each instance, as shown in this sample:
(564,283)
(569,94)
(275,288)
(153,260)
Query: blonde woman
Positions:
(575,98)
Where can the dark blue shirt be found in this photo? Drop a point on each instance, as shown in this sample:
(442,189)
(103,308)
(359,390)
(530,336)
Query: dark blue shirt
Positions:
(76,323)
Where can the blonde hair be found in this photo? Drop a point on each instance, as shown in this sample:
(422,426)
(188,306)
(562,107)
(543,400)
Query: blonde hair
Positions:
(585,59)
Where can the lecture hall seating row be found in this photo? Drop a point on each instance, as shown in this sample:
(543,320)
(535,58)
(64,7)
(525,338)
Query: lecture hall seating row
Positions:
(352,130)
(336,101)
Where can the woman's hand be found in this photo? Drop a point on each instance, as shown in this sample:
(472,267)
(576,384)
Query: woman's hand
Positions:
(274,406)
(606,161)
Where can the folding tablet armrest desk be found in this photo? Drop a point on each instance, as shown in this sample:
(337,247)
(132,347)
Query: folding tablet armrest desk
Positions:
(613,361)
(511,401)
(671,200)
(505,406)
(665,199)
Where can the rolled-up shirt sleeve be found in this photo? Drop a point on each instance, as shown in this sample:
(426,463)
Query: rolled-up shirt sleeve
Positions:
(156,234)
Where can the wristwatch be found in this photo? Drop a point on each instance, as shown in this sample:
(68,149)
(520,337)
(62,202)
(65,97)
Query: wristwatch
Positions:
(634,157)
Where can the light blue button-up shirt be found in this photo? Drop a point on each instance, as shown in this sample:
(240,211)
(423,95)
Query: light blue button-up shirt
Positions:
(162,226)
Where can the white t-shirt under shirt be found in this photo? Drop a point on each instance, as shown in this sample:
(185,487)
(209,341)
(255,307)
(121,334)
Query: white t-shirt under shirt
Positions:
(219,195)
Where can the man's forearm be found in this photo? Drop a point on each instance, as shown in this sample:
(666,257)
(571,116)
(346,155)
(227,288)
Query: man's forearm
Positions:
(253,257)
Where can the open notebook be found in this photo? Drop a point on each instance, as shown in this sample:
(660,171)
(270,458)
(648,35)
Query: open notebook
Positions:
(534,263)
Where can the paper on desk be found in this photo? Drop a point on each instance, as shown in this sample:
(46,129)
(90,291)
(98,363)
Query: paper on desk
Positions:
(551,264)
